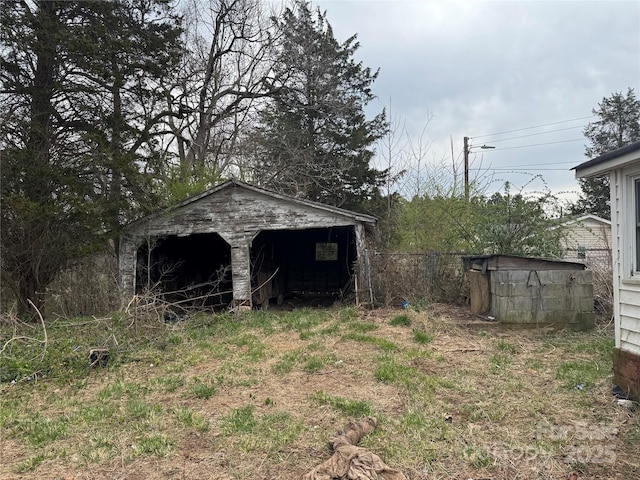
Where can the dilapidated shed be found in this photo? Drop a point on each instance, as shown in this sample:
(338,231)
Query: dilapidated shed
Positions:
(242,245)
(529,291)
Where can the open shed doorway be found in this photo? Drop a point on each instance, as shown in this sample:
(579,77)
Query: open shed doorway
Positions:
(191,272)
(314,264)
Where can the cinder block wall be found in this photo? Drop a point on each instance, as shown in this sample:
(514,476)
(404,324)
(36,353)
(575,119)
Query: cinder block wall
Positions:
(562,298)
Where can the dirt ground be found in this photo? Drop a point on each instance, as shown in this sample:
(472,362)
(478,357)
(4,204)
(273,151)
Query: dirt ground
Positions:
(496,406)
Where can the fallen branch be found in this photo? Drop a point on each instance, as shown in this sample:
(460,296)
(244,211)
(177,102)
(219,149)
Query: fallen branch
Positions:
(350,462)
(44,328)
(462,350)
(265,282)
(45,341)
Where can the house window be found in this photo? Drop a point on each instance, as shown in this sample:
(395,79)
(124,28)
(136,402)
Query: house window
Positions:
(582,252)
(326,252)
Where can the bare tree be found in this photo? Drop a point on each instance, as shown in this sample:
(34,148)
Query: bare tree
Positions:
(227,69)
(440,176)
(392,147)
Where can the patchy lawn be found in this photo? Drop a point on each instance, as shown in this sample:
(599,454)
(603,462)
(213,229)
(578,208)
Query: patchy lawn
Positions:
(258,396)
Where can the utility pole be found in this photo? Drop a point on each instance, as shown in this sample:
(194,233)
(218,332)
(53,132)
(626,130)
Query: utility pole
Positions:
(466,168)
(467,148)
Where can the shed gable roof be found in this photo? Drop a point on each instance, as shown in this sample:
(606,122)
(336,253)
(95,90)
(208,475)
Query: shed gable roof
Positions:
(606,162)
(188,204)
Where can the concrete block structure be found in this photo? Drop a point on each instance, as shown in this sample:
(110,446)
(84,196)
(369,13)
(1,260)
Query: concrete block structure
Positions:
(531,292)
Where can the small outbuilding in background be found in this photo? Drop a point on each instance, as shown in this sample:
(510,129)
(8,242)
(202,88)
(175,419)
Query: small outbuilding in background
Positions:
(531,291)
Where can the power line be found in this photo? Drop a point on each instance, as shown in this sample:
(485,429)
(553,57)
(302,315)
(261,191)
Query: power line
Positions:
(539,133)
(572,162)
(535,126)
(538,144)
(510,169)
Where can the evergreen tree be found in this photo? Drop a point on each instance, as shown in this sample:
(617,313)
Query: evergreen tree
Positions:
(126,50)
(618,125)
(41,212)
(77,123)
(314,140)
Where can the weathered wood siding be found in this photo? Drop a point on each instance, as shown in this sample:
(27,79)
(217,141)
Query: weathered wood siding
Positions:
(480,292)
(238,214)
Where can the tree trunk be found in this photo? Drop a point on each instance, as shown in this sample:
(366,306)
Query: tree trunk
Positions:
(28,290)
(38,151)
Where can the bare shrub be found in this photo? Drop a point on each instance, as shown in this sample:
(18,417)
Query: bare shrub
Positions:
(413,277)
(602,290)
(148,306)
(87,287)
(21,353)
(8,303)
(155,303)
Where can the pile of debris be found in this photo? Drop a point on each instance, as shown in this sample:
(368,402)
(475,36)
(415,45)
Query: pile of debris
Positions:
(350,462)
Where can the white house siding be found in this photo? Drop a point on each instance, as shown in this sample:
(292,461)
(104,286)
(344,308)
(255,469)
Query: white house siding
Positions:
(626,289)
(594,237)
(629,297)
(629,313)
(616,216)
(622,166)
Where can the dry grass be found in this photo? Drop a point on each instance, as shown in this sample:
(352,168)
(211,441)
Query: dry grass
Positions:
(258,397)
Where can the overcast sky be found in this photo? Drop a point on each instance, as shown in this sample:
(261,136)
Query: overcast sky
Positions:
(476,68)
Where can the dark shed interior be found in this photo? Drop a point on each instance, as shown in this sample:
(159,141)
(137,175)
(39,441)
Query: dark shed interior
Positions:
(314,262)
(195,270)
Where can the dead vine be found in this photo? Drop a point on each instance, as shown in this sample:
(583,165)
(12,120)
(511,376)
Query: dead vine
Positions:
(44,341)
